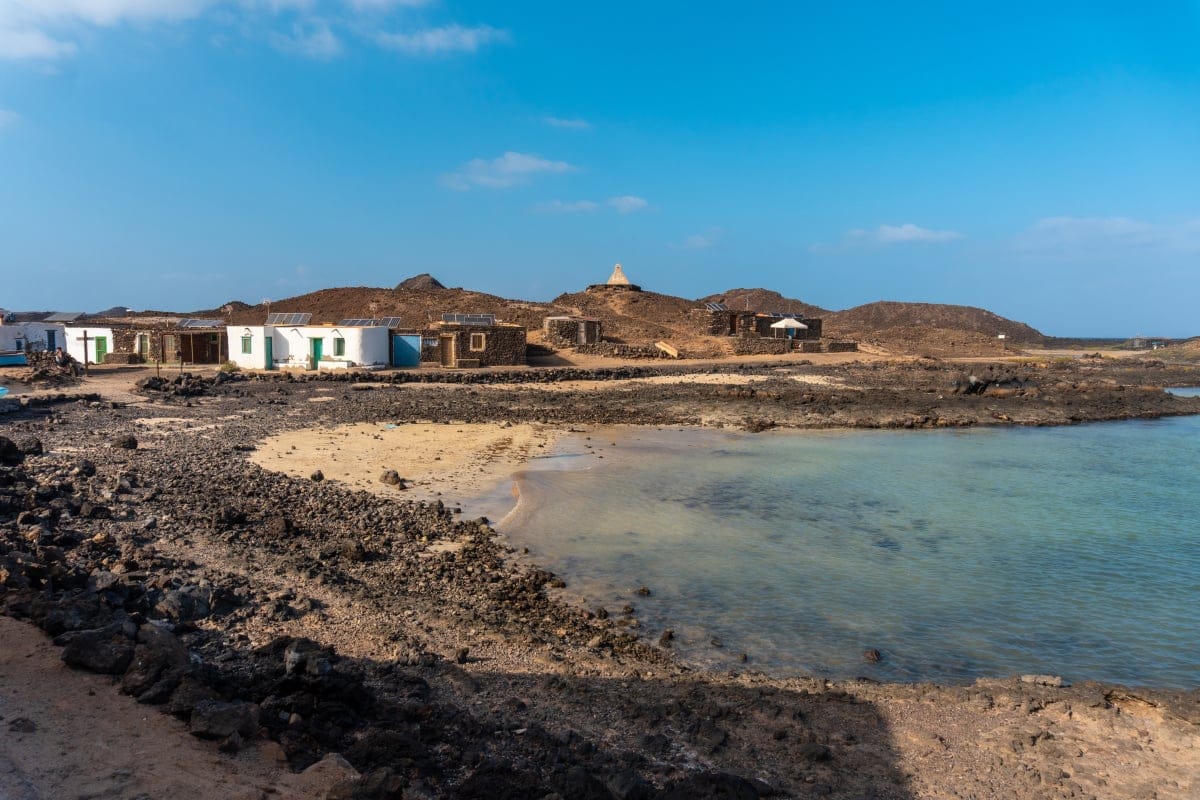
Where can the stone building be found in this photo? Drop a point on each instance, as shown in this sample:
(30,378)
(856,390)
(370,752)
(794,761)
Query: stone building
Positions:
(567,331)
(717,320)
(463,341)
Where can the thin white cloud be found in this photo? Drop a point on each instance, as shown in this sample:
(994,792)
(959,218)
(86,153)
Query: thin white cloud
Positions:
(48,29)
(312,40)
(22,44)
(446,39)
(701,241)
(893,234)
(572,207)
(1090,237)
(8,117)
(507,170)
(385,5)
(885,236)
(569,124)
(628,204)
(103,12)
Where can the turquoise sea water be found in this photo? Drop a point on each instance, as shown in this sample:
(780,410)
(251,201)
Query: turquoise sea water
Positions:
(1073,551)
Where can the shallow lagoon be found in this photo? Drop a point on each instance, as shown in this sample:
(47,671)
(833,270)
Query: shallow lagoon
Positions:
(1073,551)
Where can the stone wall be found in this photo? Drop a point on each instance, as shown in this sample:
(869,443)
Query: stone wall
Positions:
(756,347)
(619,350)
(842,347)
(564,332)
(504,345)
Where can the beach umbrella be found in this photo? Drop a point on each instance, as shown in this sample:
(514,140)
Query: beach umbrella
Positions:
(789,326)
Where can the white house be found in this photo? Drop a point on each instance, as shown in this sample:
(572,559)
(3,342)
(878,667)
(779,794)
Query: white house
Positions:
(24,336)
(310,347)
(88,344)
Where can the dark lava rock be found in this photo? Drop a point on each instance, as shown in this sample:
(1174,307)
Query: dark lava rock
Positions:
(317,476)
(815,752)
(392,478)
(125,442)
(159,663)
(31,446)
(872,656)
(277,526)
(186,604)
(711,785)
(304,656)
(105,650)
(79,612)
(22,725)
(212,719)
(10,454)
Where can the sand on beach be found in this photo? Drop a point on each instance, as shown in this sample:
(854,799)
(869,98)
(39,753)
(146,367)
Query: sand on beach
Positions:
(452,462)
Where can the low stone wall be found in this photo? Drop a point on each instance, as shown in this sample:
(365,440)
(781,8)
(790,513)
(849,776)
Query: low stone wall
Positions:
(842,347)
(810,347)
(618,350)
(757,347)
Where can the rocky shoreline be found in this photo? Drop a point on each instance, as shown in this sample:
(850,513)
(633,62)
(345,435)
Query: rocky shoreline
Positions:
(261,608)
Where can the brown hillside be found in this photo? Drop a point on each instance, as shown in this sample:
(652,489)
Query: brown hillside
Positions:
(763,300)
(415,307)
(634,316)
(875,320)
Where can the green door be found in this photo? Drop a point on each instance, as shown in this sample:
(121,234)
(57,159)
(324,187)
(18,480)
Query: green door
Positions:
(101,348)
(269,349)
(318,346)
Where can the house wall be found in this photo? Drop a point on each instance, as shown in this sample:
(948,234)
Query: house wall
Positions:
(565,330)
(504,345)
(291,346)
(256,358)
(30,336)
(74,343)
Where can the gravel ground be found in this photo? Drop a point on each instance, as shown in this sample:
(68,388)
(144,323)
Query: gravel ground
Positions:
(274,611)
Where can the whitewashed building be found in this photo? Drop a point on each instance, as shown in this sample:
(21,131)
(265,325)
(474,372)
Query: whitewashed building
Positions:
(88,343)
(295,344)
(27,336)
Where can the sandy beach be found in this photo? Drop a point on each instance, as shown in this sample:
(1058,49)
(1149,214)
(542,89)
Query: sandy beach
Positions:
(413,641)
(455,462)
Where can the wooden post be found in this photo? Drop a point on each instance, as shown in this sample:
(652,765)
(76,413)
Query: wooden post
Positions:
(86,361)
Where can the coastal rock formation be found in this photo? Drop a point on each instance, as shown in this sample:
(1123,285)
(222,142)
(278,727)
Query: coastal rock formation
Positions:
(278,614)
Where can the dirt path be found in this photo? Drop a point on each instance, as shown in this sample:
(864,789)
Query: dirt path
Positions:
(70,734)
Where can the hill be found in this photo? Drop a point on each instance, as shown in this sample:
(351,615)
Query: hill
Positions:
(763,300)
(646,317)
(917,327)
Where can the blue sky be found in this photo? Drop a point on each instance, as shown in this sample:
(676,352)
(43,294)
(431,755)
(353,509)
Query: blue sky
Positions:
(1041,160)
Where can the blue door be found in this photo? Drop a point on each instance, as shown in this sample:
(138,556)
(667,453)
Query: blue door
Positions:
(406,350)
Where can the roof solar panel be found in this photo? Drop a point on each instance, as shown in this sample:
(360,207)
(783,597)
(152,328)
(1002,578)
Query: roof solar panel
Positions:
(64,316)
(359,323)
(716,306)
(288,318)
(390,322)
(470,319)
(201,323)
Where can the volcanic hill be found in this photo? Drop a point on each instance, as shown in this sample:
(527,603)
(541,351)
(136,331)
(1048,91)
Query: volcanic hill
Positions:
(647,317)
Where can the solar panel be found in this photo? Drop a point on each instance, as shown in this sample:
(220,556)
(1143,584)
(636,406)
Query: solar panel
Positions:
(716,306)
(201,323)
(286,318)
(390,322)
(359,323)
(64,316)
(470,319)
